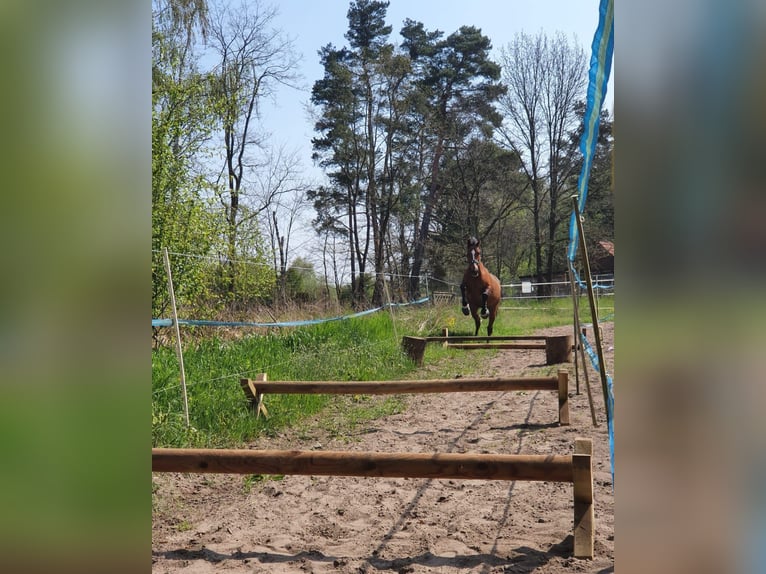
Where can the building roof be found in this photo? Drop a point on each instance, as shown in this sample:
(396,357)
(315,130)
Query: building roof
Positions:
(608,246)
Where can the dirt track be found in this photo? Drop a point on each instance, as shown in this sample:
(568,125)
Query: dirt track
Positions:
(207,523)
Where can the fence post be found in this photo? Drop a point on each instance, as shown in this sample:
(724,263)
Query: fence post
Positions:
(582,477)
(179,351)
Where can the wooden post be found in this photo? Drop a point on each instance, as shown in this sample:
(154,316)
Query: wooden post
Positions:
(579,345)
(576,326)
(254,395)
(259,406)
(558,349)
(415,347)
(563,382)
(593,311)
(445,334)
(179,351)
(582,475)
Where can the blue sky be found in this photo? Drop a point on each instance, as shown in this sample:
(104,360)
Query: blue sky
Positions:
(314,23)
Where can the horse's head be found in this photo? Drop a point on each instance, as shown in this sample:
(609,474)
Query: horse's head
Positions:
(474,256)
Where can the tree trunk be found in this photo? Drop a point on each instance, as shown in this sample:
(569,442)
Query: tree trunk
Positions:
(422,236)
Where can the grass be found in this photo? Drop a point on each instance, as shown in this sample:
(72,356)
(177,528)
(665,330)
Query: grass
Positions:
(365,348)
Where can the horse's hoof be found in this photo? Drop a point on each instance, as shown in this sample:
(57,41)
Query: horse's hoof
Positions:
(466,311)
(484,313)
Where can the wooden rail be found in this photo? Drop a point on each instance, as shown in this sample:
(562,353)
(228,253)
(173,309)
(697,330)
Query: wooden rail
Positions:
(558,349)
(576,468)
(556,468)
(255,389)
(470,346)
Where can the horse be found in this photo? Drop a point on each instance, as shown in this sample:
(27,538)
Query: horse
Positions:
(479,289)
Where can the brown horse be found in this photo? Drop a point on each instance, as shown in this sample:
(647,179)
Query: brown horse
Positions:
(480,289)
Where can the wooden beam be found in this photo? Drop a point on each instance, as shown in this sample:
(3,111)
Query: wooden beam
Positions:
(473,346)
(407,387)
(466,339)
(582,475)
(552,468)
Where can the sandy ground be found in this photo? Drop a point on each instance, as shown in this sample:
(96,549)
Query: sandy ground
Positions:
(207,523)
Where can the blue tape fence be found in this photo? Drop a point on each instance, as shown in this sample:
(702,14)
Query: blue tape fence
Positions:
(200,323)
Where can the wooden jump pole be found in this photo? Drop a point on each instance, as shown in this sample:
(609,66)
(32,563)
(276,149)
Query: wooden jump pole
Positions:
(552,468)
(255,389)
(405,387)
(470,338)
(576,469)
(557,349)
(472,346)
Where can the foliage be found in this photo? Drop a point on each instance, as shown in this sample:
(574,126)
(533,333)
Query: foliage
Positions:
(181,124)
(302,282)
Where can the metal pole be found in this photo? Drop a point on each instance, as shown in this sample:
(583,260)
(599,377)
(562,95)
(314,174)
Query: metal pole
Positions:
(179,352)
(594,313)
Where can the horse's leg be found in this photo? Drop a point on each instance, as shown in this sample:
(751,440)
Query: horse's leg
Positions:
(476,320)
(492,314)
(484,295)
(464,301)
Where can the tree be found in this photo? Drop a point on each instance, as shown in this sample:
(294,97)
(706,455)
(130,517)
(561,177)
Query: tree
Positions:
(545,80)
(337,148)
(301,280)
(287,210)
(356,122)
(458,86)
(182,121)
(251,58)
(483,187)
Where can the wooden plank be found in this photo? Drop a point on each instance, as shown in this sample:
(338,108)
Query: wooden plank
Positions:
(582,476)
(472,346)
(552,468)
(408,386)
(466,339)
(563,382)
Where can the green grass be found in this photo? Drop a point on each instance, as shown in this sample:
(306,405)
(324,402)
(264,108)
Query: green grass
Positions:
(366,348)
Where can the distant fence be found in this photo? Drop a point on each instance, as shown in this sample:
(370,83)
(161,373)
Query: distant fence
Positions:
(603,287)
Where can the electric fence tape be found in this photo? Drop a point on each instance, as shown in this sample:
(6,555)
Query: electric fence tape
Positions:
(203,323)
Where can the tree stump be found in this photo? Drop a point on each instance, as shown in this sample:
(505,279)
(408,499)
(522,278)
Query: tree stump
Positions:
(415,348)
(558,349)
